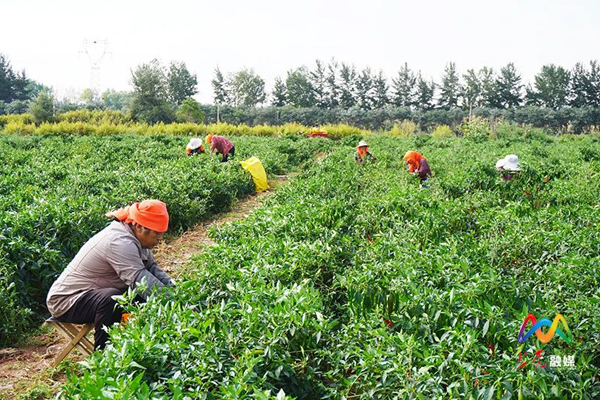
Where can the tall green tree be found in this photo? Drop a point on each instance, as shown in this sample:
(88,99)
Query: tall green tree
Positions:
(181,84)
(7,77)
(247,88)
(347,86)
(332,85)
(509,87)
(35,88)
(584,89)
(22,86)
(150,101)
(489,89)
(42,108)
(450,88)
(220,90)
(365,93)
(318,80)
(579,86)
(425,93)
(404,88)
(380,91)
(279,93)
(471,91)
(190,111)
(116,100)
(13,85)
(299,88)
(593,90)
(550,88)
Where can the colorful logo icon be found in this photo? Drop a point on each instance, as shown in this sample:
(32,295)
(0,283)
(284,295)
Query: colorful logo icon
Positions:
(545,337)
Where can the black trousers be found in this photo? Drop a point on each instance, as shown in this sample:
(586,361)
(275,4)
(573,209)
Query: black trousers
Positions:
(231,153)
(96,306)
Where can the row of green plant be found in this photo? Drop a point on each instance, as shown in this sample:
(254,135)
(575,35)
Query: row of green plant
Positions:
(565,120)
(83,128)
(85,122)
(57,188)
(353,282)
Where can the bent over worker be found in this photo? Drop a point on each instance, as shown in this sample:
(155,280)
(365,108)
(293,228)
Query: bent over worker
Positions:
(362,153)
(508,166)
(195,146)
(115,259)
(417,164)
(221,145)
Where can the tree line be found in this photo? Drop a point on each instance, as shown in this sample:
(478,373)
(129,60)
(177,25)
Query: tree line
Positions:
(332,92)
(160,94)
(558,99)
(16,89)
(340,85)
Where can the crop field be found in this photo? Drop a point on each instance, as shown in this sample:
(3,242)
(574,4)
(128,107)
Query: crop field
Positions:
(56,190)
(351,282)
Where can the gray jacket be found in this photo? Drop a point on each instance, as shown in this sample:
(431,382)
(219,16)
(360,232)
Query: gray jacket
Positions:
(113,258)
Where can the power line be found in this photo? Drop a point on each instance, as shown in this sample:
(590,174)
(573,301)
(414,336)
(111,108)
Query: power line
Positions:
(95,50)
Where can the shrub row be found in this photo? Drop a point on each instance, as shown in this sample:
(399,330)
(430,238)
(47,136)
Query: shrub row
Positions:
(352,282)
(57,188)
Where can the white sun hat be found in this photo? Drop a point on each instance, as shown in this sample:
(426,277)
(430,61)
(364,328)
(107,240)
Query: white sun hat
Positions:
(194,143)
(509,163)
(362,143)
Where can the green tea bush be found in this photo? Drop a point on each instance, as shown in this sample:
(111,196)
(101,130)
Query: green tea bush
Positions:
(339,131)
(404,129)
(442,131)
(354,282)
(84,122)
(476,128)
(56,189)
(19,127)
(15,118)
(15,318)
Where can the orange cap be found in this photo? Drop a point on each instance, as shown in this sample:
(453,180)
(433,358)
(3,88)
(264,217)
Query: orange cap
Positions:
(151,214)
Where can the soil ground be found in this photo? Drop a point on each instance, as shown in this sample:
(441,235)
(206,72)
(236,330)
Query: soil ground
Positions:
(25,371)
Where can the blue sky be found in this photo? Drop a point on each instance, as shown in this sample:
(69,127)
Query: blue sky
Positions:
(46,37)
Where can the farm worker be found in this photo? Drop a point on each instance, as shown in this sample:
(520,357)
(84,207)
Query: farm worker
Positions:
(362,153)
(417,164)
(316,131)
(195,146)
(508,166)
(221,145)
(115,259)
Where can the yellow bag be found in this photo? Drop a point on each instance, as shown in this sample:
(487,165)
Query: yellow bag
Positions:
(259,176)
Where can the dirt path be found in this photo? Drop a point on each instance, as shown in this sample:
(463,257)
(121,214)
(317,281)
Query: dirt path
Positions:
(26,369)
(174,255)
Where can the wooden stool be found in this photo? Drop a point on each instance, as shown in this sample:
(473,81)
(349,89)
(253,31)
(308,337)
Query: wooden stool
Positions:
(75,335)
